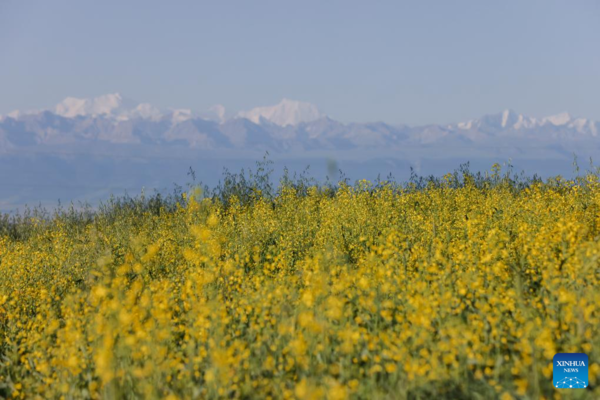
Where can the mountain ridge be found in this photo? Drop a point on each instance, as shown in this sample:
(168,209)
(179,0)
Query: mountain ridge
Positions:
(287,126)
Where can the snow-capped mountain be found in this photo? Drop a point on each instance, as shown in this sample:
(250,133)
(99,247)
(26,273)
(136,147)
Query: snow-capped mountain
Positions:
(287,112)
(109,105)
(116,107)
(287,126)
(510,121)
(215,113)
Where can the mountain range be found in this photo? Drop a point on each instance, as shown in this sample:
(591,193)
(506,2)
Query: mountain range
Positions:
(86,149)
(289,126)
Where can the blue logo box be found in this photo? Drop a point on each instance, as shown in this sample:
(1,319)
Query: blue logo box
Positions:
(570,370)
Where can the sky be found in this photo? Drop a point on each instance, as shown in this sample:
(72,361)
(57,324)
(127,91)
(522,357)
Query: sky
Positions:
(411,62)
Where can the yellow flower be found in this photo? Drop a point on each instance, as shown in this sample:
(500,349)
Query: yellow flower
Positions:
(390,368)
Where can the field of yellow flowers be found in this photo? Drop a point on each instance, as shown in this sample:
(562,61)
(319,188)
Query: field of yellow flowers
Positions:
(453,291)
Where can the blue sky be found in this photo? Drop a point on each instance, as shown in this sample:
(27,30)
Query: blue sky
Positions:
(400,62)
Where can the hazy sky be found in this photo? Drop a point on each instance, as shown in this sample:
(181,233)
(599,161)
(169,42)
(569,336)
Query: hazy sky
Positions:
(400,62)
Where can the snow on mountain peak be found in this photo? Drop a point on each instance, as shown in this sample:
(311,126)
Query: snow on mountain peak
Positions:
(465,125)
(558,119)
(143,111)
(505,114)
(16,114)
(287,112)
(181,115)
(112,105)
(524,122)
(509,120)
(218,111)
